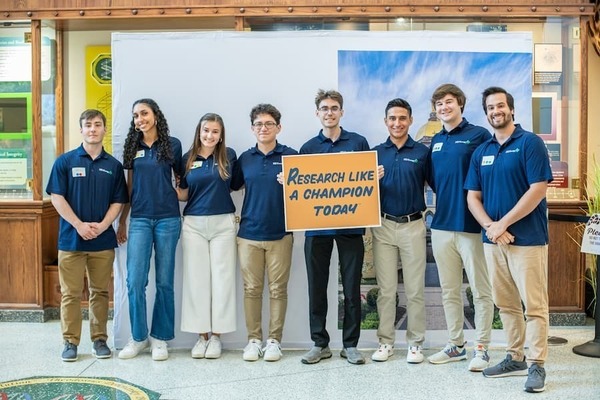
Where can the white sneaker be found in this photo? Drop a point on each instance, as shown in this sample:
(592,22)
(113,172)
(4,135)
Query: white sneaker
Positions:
(199,348)
(272,350)
(253,350)
(480,360)
(414,355)
(159,349)
(213,348)
(133,348)
(384,352)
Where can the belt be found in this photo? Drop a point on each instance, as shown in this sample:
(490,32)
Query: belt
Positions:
(403,218)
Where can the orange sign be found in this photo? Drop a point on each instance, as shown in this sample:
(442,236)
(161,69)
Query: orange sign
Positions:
(331,191)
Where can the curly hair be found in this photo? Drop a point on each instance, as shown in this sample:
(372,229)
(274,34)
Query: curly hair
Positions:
(164,153)
(265,109)
(220,152)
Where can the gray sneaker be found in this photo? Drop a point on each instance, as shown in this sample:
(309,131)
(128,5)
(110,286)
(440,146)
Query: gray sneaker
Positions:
(536,380)
(100,349)
(508,367)
(69,353)
(352,355)
(316,354)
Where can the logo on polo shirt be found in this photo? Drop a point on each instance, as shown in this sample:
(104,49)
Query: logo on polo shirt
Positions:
(513,151)
(410,160)
(463,142)
(437,147)
(78,172)
(487,160)
(277,163)
(105,171)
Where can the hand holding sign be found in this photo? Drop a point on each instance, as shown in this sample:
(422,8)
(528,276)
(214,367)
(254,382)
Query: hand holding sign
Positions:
(324,191)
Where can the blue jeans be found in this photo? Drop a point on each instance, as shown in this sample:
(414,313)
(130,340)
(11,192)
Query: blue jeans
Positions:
(163,234)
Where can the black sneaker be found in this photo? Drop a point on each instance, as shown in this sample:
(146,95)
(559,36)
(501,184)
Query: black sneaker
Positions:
(100,349)
(69,353)
(508,367)
(536,379)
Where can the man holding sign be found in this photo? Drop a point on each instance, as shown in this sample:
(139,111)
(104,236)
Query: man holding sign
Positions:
(318,245)
(402,232)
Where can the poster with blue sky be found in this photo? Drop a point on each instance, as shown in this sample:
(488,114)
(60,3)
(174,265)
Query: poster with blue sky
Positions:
(369,79)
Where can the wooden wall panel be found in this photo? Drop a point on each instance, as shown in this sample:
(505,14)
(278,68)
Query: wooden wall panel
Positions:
(566,263)
(19,279)
(50,222)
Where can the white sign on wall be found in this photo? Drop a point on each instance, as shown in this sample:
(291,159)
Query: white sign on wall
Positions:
(192,73)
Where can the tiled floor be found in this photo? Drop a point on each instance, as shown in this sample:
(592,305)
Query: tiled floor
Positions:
(33,349)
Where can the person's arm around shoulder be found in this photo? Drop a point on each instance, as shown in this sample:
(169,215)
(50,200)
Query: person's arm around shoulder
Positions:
(237,174)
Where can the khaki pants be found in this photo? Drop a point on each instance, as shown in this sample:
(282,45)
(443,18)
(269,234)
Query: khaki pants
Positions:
(520,274)
(273,257)
(453,250)
(391,242)
(72,267)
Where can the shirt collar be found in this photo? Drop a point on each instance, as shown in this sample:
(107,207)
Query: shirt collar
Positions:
(343,135)
(82,153)
(457,129)
(277,150)
(517,133)
(410,143)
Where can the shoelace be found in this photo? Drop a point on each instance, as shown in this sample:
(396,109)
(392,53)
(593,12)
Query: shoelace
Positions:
(536,371)
(271,344)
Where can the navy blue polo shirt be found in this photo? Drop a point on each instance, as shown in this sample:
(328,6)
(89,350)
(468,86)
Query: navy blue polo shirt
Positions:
(406,170)
(450,157)
(90,187)
(153,195)
(503,173)
(263,216)
(208,193)
(348,141)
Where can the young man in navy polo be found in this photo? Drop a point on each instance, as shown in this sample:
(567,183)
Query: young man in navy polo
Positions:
(507,183)
(264,247)
(87,187)
(401,235)
(455,234)
(318,245)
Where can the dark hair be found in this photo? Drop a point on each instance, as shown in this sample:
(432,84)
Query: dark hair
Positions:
(91,113)
(329,94)
(510,101)
(165,153)
(398,102)
(265,109)
(449,89)
(220,153)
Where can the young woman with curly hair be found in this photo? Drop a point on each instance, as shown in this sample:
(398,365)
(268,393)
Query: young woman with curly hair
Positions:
(151,156)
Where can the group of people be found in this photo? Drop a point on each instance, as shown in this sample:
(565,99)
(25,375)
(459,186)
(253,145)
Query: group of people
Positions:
(490,219)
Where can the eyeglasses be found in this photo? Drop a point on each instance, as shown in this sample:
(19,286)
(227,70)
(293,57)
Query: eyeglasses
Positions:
(333,109)
(268,125)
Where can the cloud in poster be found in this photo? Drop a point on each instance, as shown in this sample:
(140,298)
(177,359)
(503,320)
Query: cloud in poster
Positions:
(369,79)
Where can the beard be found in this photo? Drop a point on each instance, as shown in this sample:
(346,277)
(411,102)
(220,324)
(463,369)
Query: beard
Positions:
(500,124)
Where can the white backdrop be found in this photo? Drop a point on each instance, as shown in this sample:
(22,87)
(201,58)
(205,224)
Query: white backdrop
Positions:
(189,74)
